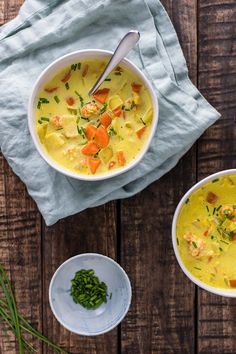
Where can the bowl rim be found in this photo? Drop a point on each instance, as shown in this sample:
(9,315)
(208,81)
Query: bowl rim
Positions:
(31,118)
(129,288)
(218,291)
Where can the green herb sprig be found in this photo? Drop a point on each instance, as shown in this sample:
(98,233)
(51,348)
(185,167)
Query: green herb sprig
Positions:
(10,317)
(87,290)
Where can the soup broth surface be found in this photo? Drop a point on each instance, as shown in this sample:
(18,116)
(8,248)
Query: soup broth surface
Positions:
(206,232)
(93,135)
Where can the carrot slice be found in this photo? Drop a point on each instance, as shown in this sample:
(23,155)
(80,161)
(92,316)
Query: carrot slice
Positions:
(70,101)
(136,87)
(66,77)
(50,90)
(85,70)
(105,119)
(232,283)
(211,198)
(101,95)
(93,164)
(101,137)
(140,132)
(117,111)
(121,158)
(90,149)
(90,132)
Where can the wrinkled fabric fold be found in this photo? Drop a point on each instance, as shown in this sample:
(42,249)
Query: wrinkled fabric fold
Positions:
(46,30)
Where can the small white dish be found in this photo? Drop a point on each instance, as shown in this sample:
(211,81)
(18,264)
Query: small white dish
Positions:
(211,289)
(50,72)
(75,317)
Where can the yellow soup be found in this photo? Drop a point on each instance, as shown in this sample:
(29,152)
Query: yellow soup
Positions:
(92,135)
(206,232)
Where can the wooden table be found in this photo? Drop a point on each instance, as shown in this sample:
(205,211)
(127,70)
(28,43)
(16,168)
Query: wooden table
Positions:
(168,313)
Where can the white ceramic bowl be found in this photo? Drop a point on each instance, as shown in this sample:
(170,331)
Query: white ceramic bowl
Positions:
(214,290)
(49,73)
(76,318)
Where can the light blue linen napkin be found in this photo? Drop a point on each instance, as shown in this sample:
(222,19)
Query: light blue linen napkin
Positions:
(43,31)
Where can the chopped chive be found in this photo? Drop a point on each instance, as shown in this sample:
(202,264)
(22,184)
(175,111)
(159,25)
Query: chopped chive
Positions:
(39,121)
(132,105)
(214,210)
(103,109)
(194,244)
(224,242)
(45,119)
(79,66)
(142,121)
(43,100)
(73,67)
(85,118)
(67,86)
(187,200)
(197,268)
(80,98)
(207,208)
(215,180)
(107,79)
(56,98)
(39,105)
(177,241)
(220,249)
(231,235)
(219,207)
(112,132)
(117,73)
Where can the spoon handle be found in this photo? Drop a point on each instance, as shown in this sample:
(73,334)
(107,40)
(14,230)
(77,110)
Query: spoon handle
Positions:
(123,48)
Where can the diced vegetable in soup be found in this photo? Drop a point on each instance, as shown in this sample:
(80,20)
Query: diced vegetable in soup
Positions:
(206,232)
(93,135)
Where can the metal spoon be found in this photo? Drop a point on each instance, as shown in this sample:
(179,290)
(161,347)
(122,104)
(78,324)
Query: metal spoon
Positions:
(123,48)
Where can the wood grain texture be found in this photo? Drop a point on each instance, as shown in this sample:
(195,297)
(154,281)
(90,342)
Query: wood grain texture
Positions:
(20,240)
(9,9)
(20,235)
(91,231)
(162,315)
(217,150)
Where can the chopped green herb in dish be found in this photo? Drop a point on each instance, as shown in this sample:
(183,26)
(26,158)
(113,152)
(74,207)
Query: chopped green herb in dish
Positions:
(87,290)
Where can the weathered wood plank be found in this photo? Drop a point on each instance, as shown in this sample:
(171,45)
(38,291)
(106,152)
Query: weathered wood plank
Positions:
(20,235)
(217,151)
(20,250)
(9,9)
(161,318)
(91,231)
